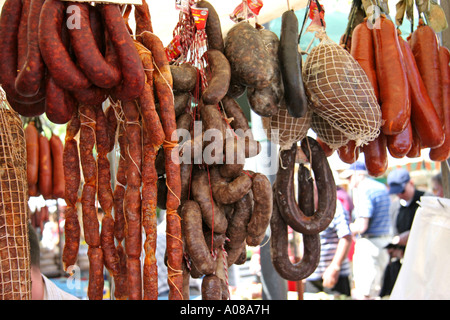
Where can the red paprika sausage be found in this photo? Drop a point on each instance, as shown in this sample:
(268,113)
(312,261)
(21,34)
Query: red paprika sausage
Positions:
(424,117)
(443,152)
(391,75)
(425,47)
(56,57)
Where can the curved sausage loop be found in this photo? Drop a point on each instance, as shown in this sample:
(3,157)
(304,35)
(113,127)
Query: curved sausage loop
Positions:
(279,250)
(326,187)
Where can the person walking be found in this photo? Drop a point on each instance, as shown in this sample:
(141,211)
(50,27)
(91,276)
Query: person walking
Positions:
(371,229)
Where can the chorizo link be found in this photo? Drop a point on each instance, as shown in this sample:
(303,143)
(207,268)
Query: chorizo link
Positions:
(105,194)
(56,57)
(9,25)
(163,84)
(132,200)
(133,77)
(89,57)
(72,178)
(443,152)
(31,76)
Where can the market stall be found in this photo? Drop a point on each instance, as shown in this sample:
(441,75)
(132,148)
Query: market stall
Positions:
(167,152)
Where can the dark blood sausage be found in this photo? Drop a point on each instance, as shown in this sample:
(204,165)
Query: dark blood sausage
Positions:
(400,144)
(96,282)
(56,57)
(239,123)
(31,76)
(195,241)
(248,57)
(291,66)
(375,155)
(424,118)
(201,193)
(279,250)
(237,228)
(391,75)
(211,288)
(184,77)
(133,77)
(212,28)
(228,192)
(265,101)
(326,187)
(218,76)
(59,103)
(9,28)
(89,57)
(305,190)
(262,210)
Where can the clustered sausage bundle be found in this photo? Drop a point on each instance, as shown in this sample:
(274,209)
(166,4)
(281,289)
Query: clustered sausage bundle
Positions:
(223,208)
(45,173)
(409,78)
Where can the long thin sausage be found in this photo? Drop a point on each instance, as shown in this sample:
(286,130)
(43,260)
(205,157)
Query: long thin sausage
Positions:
(72,179)
(163,83)
(105,194)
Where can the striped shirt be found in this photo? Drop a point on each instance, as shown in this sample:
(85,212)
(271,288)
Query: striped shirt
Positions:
(371,199)
(329,238)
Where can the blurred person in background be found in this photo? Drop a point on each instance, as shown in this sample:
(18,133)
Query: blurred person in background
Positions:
(436,185)
(402,213)
(41,287)
(332,274)
(371,229)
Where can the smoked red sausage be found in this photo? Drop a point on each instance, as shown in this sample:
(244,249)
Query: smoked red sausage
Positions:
(392,79)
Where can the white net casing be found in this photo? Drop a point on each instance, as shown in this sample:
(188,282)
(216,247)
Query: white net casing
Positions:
(340,91)
(284,130)
(15,281)
(328,134)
